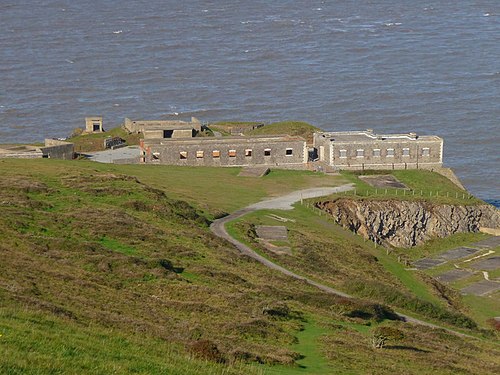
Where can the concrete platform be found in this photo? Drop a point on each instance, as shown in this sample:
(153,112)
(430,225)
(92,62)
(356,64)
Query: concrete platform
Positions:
(481,288)
(488,264)
(426,263)
(488,243)
(454,275)
(272,233)
(115,156)
(459,252)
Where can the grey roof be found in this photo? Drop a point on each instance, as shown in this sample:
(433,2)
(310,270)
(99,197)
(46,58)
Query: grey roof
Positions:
(368,135)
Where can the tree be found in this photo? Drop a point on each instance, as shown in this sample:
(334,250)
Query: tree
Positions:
(383,334)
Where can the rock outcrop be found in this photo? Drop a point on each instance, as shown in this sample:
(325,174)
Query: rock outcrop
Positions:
(408,223)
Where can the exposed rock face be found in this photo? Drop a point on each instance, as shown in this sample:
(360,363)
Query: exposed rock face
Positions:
(408,223)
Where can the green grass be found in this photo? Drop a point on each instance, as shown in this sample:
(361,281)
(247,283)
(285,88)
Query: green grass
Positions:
(294,128)
(115,245)
(483,308)
(406,277)
(422,185)
(35,343)
(313,361)
(95,141)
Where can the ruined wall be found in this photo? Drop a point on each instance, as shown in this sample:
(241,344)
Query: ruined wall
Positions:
(219,152)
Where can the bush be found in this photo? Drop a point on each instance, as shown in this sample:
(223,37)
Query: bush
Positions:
(207,350)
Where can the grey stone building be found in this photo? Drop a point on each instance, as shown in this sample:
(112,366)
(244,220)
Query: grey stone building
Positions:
(281,151)
(54,148)
(163,128)
(93,124)
(365,150)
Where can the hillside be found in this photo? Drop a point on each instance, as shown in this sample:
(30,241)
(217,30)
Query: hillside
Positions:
(113,268)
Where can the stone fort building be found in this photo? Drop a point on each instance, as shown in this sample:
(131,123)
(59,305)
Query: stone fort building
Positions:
(175,143)
(365,150)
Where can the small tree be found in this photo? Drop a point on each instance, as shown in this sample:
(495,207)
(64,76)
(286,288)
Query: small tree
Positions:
(383,334)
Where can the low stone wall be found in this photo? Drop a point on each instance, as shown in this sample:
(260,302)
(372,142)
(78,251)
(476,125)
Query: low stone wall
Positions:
(127,161)
(56,149)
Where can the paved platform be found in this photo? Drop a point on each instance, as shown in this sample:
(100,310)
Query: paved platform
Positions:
(113,156)
(454,275)
(426,263)
(481,288)
(272,232)
(459,252)
(488,264)
(488,243)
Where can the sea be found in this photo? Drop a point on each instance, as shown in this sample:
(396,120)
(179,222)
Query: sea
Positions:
(432,67)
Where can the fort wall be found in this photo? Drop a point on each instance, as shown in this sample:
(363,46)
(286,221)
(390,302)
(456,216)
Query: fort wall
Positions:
(364,150)
(228,151)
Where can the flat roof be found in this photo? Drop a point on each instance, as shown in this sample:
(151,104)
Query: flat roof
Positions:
(225,140)
(364,136)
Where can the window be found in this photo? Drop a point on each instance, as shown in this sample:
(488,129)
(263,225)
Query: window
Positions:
(267,152)
(183,155)
(343,153)
(406,151)
(376,152)
(216,154)
(390,152)
(289,152)
(248,152)
(360,153)
(199,154)
(232,153)
(426,151)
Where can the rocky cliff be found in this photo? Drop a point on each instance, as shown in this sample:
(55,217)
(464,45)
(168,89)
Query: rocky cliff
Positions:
(408,223)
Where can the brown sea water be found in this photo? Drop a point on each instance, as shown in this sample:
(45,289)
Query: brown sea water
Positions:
(394,66)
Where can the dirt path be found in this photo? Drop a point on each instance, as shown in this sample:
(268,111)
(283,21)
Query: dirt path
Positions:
(285,203)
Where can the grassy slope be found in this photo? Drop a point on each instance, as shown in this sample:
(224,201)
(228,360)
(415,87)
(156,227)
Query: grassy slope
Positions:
(100,258)
(39,343)
(95,141)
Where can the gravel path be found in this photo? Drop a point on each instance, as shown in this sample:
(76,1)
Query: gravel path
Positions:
(285,203)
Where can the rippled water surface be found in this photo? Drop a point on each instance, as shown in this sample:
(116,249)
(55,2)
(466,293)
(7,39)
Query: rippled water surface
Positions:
(394,66)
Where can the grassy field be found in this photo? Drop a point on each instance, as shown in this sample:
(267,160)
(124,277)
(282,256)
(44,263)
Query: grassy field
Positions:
(109,268)
(211,189)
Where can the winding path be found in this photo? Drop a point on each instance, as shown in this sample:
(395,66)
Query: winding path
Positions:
(218,227)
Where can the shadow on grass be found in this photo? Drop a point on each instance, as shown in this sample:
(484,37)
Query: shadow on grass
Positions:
(405,347)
